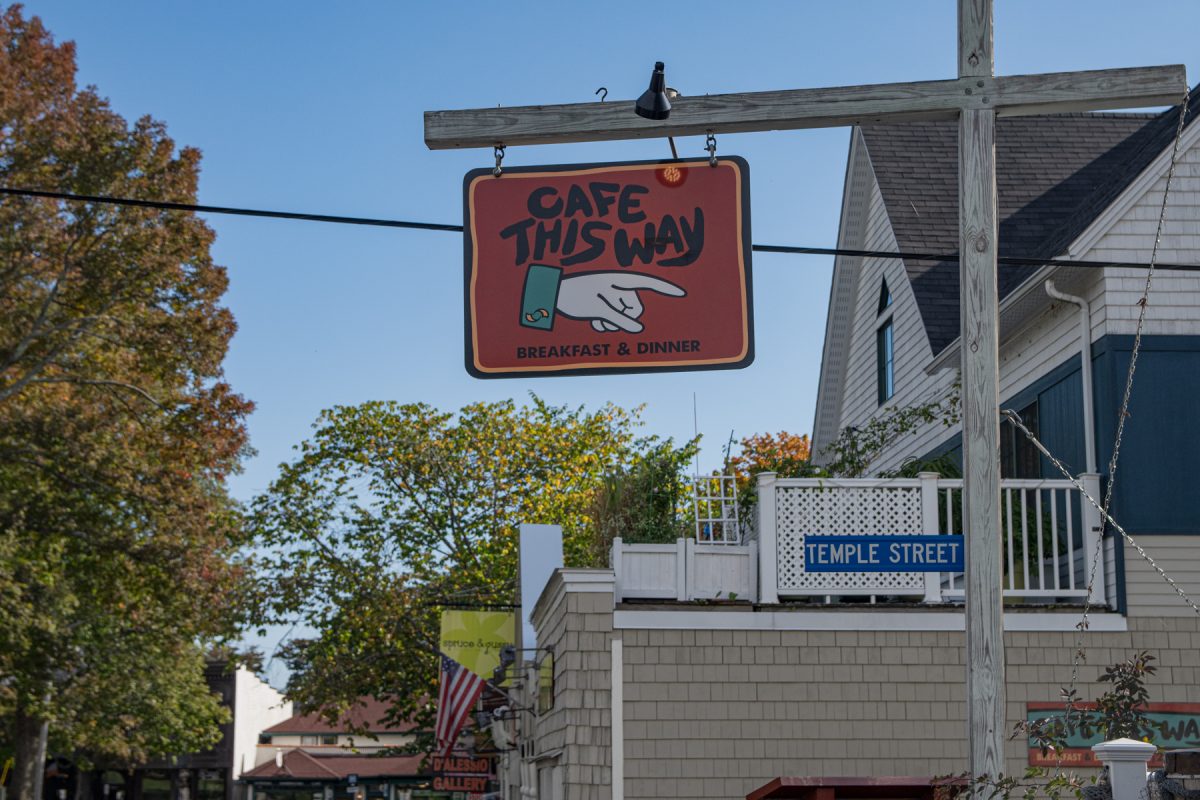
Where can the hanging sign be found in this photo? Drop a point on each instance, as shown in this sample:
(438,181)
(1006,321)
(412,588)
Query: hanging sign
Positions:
(475,638)
(602,268)
(883,553)
(461,774)
(1172,726)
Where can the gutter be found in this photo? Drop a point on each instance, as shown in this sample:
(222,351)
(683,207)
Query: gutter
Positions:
(1085,355)
(950,356)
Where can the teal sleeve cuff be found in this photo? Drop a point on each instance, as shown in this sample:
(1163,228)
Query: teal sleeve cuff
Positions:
(540,297)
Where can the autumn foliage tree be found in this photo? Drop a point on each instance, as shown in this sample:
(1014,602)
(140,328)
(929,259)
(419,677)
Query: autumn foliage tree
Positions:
(783,453)
(390,511)
(117,539)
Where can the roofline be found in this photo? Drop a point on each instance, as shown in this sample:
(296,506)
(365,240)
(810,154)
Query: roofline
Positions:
(1083,244)
(1143,183)
(338,731)
(948,358)
(833,361)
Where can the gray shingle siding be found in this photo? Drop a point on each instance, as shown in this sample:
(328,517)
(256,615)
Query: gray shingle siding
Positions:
(1055,174)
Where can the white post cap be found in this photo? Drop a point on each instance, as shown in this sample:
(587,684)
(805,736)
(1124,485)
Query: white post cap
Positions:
(1124,750)
(1126,761)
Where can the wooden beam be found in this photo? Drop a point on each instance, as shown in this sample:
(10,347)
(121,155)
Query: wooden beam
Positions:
(981,442)
(976,56)
(978,237)
(809,108)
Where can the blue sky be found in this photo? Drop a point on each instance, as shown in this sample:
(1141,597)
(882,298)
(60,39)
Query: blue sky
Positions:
(318,107)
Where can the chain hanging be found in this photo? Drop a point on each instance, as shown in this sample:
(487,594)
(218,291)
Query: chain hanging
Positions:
(710,144)
(499,151)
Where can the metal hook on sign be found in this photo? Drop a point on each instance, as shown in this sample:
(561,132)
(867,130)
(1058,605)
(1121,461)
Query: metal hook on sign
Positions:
(710,144)
(499,150)
(604,96)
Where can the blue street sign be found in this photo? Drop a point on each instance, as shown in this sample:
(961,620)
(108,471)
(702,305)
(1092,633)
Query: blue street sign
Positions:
(883,553)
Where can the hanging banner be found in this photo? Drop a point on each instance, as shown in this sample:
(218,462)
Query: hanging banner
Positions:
(474,638)
(603,268)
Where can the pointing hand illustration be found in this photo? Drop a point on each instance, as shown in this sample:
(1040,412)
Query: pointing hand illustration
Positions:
(609,300)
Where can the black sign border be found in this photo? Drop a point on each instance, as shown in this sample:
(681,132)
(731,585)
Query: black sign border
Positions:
(468,246)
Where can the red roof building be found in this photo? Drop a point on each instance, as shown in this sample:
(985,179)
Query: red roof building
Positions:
(306,757)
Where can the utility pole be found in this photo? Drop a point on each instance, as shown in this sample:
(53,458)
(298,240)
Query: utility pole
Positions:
(975,98)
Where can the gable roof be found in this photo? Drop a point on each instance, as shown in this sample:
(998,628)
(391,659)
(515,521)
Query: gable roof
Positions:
(1054,175)
(298,764)
(366,714)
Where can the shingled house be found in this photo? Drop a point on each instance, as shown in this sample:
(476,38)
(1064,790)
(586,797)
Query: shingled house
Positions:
(1076,186)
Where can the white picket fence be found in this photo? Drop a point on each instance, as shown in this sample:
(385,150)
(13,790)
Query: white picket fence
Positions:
(1049,533)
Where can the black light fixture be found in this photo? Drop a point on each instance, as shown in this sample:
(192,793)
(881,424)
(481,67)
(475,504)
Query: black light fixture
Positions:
(654,104)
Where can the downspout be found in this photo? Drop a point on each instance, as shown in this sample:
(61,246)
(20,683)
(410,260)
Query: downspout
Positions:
(1085,354)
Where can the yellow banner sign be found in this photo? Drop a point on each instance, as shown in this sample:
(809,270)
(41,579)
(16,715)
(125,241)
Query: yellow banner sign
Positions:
(474,638)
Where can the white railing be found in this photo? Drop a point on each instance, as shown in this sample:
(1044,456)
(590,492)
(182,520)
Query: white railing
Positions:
(1049,534)
(686,570)
(1047,553)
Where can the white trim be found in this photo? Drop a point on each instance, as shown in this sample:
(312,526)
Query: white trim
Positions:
(926,620)
(1010,322)
(572,581)
(1132,193)
(617,716)
(1082,245)
(587,580)
(843,293)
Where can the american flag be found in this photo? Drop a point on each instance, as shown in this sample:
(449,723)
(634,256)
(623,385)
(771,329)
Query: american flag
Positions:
(456,697)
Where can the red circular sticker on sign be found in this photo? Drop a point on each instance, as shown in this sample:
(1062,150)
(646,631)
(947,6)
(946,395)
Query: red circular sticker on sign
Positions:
(672,176)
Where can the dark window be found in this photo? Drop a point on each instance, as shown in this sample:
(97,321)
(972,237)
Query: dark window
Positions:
(884,362)
(264,738)
(156,785)
(885,298)
(329,738)
(1019,458)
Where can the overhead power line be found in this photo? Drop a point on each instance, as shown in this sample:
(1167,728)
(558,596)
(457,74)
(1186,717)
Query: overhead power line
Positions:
(1008,261)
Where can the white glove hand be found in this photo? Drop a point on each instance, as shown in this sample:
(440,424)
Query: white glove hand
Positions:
(610,299)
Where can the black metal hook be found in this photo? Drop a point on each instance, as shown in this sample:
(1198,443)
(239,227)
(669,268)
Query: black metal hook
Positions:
(604,96)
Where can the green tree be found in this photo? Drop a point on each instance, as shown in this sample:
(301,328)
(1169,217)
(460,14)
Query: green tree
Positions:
(391,510)
(646,501)
(856,447)
(117,539)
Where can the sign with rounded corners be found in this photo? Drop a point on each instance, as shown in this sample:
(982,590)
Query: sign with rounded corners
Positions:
(608,268)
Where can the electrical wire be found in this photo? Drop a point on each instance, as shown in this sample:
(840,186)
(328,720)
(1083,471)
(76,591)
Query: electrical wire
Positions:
(242,212)
(1008,261)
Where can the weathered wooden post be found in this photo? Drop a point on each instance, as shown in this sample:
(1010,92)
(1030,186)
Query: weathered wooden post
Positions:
(979,345)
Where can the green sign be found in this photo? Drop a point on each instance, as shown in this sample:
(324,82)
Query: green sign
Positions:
(1176,725)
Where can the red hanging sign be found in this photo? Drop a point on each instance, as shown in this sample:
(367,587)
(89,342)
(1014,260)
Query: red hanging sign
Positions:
(602,268)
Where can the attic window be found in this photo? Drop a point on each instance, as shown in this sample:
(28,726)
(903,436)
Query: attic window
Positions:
(885,365)
(885,298)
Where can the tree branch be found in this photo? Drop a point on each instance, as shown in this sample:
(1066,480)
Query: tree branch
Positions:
(116,384)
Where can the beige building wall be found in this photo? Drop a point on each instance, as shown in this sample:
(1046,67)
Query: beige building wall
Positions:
(715,713)
(572,743)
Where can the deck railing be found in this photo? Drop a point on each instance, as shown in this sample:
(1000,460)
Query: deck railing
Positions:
(1050,538)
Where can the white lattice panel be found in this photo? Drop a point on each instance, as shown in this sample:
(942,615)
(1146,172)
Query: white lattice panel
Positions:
(837,510)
